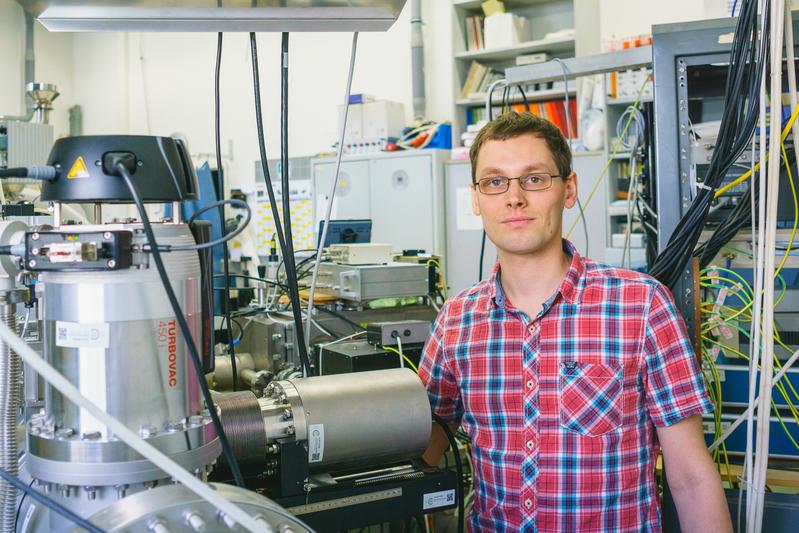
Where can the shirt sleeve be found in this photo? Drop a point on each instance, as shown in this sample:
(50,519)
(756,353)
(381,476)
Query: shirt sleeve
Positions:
(437,376)
(673,381)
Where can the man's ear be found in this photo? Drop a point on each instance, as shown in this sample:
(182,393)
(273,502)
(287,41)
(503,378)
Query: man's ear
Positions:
(571,190)
(475,202)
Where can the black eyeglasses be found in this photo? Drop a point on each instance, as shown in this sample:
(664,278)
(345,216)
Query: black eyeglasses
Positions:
(538,181)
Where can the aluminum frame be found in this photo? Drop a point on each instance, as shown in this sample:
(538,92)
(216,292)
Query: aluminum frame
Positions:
(205,16)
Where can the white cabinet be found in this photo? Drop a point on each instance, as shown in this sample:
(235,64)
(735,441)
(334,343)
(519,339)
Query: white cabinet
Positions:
(402,193)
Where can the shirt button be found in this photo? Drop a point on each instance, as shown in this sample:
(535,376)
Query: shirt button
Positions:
(530,384)
(531,329)
(528,503)
(529,445)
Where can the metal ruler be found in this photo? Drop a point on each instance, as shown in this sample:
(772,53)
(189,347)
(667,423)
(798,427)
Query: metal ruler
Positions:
(345,502)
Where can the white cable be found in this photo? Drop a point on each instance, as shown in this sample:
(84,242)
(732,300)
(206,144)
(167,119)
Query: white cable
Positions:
(177,472)
(333,186)
(746,470)
(777,14)
(758,252)
(401,355)
(490,92)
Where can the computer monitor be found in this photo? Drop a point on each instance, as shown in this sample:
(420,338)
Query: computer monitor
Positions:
(346,231)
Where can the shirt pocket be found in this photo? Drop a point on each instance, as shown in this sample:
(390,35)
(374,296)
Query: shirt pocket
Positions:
(589,397)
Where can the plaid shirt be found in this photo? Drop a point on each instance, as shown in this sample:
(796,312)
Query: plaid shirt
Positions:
(562,408)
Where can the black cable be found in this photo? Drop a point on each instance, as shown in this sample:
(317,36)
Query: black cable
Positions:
(291,275)
(355,325)
(36,172)
(210,244)
(19,172)
(458,468)
(222,225)
(235,202)
(524,99)
(748,57)
(483,242)
(21,501)
(48,502)
(184,326)
(482,257)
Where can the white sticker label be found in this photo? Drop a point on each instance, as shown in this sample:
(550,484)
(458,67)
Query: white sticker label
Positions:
(74,335)
(316,443)
(28,516)
(442,498)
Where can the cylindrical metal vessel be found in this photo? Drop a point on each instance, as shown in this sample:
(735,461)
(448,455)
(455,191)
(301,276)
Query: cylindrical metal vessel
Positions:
(113,334)
(359,419)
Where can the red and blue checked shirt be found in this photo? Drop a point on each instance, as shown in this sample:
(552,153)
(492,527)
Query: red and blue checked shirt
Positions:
(562,407)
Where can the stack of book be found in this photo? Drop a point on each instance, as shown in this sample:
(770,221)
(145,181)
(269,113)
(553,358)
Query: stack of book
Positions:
(475,38)
(477,81)
(552,110)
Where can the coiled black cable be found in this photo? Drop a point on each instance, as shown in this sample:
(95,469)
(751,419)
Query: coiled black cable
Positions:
(748,56)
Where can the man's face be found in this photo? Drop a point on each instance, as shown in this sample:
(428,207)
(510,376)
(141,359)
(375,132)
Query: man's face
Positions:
(522,222)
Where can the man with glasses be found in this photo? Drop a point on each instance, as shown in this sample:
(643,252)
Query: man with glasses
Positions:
(568,376)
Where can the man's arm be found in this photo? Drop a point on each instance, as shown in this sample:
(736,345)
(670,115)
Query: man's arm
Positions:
(438,444)
(693,478)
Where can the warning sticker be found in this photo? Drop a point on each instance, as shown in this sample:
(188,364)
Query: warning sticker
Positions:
(74,335)
(78,169)
(316,443)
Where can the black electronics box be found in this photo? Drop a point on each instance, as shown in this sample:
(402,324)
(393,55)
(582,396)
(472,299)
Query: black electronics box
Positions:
(354,356)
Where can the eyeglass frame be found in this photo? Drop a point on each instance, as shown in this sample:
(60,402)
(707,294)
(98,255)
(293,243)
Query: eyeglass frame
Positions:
(476,184)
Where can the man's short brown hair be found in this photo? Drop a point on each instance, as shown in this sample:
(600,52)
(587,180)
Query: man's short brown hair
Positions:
(514,124)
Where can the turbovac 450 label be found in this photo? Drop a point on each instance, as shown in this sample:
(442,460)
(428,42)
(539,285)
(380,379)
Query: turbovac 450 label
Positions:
(168,346)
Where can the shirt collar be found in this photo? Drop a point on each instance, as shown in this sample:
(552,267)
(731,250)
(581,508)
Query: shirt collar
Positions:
(570,287)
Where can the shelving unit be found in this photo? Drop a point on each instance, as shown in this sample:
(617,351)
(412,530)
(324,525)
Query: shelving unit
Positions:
(618,181)
(562,44)
(546,16)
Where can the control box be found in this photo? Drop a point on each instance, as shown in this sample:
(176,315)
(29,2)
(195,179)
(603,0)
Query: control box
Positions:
(369,282)
(91,250)
(354,356)
(408,331)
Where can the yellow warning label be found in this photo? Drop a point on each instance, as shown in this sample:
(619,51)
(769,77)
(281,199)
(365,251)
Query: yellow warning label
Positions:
(78,169)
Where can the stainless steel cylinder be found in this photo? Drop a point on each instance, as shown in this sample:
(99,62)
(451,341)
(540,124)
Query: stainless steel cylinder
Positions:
(114,335)
(351,419)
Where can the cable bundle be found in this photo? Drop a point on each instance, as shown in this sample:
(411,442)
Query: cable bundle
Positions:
(747,60)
